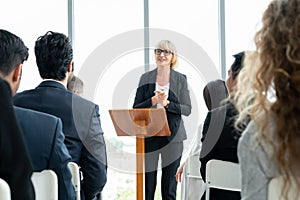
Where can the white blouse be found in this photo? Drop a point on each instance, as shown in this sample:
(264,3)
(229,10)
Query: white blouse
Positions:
(165,88)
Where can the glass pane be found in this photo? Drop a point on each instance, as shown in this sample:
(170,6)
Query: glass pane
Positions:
(193,27)
(242,21)
(30,19)
(109,58)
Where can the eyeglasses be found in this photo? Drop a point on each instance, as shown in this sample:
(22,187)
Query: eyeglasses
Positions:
(159,51)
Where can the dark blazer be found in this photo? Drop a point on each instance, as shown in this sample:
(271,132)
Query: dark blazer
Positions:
(45,142)
(219,141)
(81,126)
(15,166)
(179,97)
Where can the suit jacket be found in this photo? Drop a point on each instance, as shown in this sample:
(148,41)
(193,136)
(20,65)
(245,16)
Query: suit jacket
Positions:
(81,126)
(45,141)
(15,166)
(179,97)
(219,141)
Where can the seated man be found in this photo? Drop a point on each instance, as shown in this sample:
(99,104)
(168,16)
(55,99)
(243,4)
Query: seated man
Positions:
(75,85)
(80,117)
(45,141)
(42,132)
(15,166)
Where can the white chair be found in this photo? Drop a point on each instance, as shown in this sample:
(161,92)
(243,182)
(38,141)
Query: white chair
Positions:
(193,167)
(4,190)
(192,173)
(275,187)
(45,185)
(74,169)
(222,175)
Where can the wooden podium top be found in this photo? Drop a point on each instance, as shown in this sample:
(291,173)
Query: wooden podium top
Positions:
(142,122)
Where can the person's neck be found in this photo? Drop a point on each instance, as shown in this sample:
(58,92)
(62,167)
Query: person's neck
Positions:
(63,82)
(163,75)
(163,71)
(14,85)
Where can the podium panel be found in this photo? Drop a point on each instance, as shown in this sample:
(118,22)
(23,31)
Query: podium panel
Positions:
(141,123)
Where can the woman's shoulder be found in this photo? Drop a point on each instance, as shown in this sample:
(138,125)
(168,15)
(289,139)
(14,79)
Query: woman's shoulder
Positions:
(148,77)
(151,73)
(252,129)
(249,133)
(177,73)
(251,139)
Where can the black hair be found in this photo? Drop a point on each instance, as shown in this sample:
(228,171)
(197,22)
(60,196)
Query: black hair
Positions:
(12,52)
(237,64)
(53,53)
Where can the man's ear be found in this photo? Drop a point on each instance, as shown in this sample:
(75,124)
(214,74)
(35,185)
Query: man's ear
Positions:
(17,73)
(70,66)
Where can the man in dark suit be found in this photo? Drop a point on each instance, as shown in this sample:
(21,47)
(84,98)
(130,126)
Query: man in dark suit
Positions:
(15,166)
(45,140)
(80,117)
(42,132)
(220,138)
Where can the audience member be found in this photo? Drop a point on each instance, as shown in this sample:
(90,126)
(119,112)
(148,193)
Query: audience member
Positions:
(214,93)
(15,166)
(269,147)
(80,117)
(219,136)
(42,132)
(75,85)
(165,88)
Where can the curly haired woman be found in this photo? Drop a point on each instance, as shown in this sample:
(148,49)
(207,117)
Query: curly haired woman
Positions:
(269,146)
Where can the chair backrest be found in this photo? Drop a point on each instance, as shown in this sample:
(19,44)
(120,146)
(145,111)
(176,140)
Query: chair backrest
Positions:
(193,167)
(192,179)
(74,169)
(4,190)
(45,185)
(222,175)
(275,187)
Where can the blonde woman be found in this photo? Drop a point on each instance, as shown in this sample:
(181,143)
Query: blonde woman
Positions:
(270,145)
(165,88)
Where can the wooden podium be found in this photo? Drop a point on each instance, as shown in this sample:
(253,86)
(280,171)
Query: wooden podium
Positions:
(141,123)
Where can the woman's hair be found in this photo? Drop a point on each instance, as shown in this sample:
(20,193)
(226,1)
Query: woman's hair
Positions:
(214,93)
(275,65)
(168,45)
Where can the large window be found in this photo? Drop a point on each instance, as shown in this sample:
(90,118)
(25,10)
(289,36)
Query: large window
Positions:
(30,19)
(242,21)
(109,58)
(193,26)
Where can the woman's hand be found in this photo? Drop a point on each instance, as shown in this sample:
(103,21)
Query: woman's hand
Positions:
(161,97)
(179,173)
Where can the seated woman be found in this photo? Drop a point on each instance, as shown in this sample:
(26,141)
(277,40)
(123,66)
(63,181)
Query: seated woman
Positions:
(269,147)
(220,138)
(213,93)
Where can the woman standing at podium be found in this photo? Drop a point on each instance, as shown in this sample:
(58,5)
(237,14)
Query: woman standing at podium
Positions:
(163,87)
